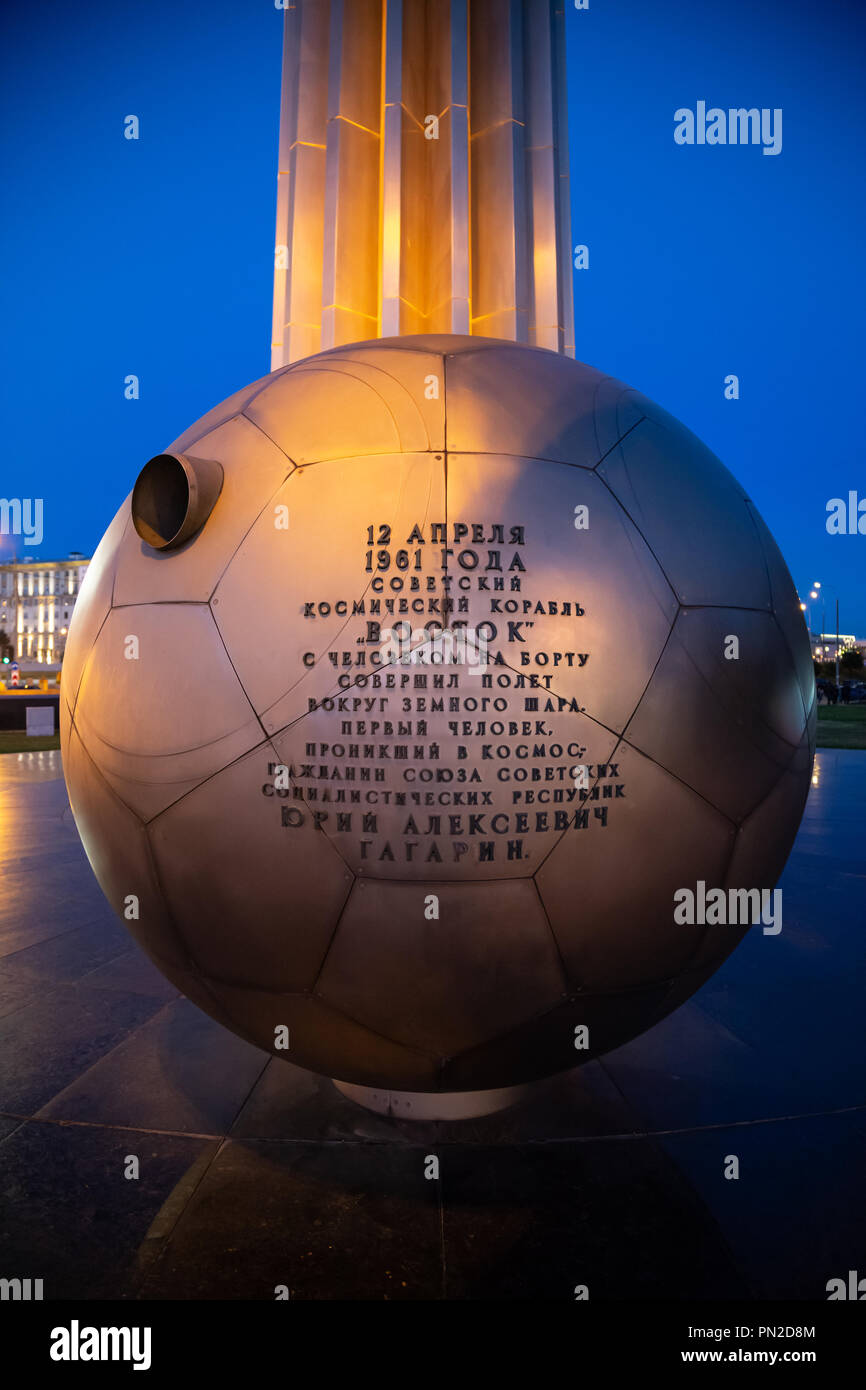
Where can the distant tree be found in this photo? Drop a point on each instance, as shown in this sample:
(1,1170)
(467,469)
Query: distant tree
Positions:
(852,660)
(6,647)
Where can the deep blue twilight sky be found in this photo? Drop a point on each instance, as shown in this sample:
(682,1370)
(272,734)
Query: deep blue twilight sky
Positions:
(155,257)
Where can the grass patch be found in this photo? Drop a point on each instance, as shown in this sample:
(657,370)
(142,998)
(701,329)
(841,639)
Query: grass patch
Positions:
(842,726)
(15,741)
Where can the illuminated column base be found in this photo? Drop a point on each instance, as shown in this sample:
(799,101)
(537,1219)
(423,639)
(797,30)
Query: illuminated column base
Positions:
(434,1105)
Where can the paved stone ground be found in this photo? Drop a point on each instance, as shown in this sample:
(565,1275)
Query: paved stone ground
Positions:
(255,1173)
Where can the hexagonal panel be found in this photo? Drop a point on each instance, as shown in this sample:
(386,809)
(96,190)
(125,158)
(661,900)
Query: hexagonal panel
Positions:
(606,570)
(324,1039)
(286,604)
(609,888)
(92,605)
(406,363)
(804,755)
(786,607)
(335,407)
(451,343)
(545,1045)
(765,838)
(253,469)
(487,963)
(618,409)
(219,414)
(157,725)
(727,726)
(195,989)
(760,852)
(115,843)
(507,399)
(692,513)
(64,721)
(812,723)
(227,835)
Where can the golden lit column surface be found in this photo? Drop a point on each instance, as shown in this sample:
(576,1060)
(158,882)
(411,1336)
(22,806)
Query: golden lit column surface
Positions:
(423,174)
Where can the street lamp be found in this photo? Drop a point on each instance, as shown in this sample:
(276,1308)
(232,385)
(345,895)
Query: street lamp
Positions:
(814,595)
(817,585)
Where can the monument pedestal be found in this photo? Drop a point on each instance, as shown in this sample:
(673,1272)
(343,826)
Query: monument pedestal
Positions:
(433,1105)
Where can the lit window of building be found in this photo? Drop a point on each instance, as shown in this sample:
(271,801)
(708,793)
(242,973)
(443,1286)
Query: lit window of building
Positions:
(31,615)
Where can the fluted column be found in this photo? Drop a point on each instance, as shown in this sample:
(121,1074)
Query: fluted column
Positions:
(423,180)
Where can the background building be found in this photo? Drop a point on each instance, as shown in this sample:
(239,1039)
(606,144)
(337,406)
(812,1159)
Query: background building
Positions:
(824,645)
(36,602)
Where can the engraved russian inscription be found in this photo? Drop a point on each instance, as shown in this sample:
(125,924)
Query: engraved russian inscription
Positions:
(444,744)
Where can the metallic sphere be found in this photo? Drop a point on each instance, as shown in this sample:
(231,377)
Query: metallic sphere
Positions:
(406,692)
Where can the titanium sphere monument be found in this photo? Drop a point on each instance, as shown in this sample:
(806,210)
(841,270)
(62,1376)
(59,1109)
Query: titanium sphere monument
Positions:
(431,901)
(408,687)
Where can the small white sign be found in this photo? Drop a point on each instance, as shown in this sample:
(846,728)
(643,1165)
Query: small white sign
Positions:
(40,720)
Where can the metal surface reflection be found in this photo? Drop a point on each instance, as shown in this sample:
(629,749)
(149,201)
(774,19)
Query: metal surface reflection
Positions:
(435,873)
